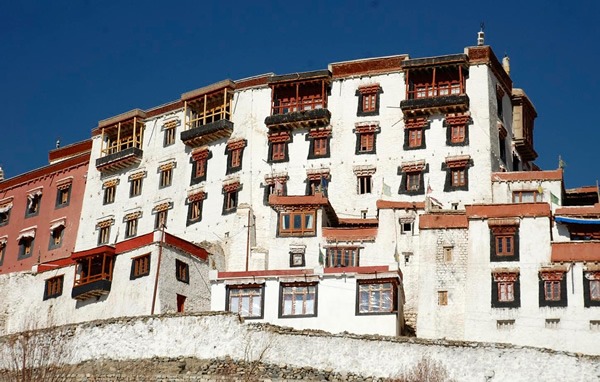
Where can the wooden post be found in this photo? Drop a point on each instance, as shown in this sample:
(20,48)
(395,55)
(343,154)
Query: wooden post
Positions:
(204,116)
(223,115)
(407,85)
(119,137)
(460,78)
(273,100)
(297,96)
(185,118)
(323,95)
(102,144)
(134,125)
(433,84)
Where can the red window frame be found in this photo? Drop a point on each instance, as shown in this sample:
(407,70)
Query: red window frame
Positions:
(506,291)
(457,133)
(297,223)
(342,257)
(505,245)
(594,290)
(236,156)
(415,137)
(552,290)
(278,150)
(367,142)
(200,168)
(231,200)
(369,102)
(320,146)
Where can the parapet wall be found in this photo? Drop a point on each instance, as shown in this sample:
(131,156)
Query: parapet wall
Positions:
(219,335)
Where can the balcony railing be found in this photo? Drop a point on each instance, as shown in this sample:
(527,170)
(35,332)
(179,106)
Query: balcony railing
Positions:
(115,146)
(290,105)
(435,90)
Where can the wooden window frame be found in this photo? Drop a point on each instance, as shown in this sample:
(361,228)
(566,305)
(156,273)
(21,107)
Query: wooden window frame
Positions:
(194,211)
(230,201)
(442,298)
(320,147)
(308,292)
(236,158)
(63,196)
(506,291)
(552,290)
(384,289)
(517,196)
(364,184)
(415,138)
(170,135)
(131,227)
(251,292)
(458,133)
(342,257)
(369,102)
(56,240)
(366,142)
(278,151)
(26,246)
(595,290)
(303,230)
(458,177)
(200,168)
(182,271)
(161,219)
(413,181)
(34,204)
(103,235)
(135,187)
(166,178)
(109,195)
(505,245)
(5,218)
(140,266)
(94,268)
(53,287)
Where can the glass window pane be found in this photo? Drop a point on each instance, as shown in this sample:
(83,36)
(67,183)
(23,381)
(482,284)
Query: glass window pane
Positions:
(309,221)
(297,221)
(285,221)
(234,304)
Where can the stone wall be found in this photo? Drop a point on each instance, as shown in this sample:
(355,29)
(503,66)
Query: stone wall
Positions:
(213,336)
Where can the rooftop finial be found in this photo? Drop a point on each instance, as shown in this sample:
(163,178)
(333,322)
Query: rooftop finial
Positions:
(480,34)
(506,63)
(1,174)
(58,143)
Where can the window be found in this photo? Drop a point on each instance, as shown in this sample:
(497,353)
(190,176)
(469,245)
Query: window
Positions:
(2,249)
(200,168)
(595,325)
(406,227)
(131,224)
(63,195)
(170,134)
(504,243)
(366,143)
(53,287)
(415,138)
(246,300)
(376,296)
(458,177)
(166,178)
(4,217)
(33,204)
(339,257)
(297,223)
(364,184)
(320,146)
(140,266)
(235,151)
(181,303)
(104,235)
(413,181)
(457,133)
(135,187)
(56,237)
(278,151)
(505,290)
(368,100)
(298,300)
(92,269)
(230,201)
(505,324)
(25,247)
(552,290)
(442,297)
(109,194)
(161,219)
(591,288)
(182,271)
(195,211)
(199,161)
(525,197)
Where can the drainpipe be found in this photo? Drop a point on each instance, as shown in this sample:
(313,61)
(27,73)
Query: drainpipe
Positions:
(160,247)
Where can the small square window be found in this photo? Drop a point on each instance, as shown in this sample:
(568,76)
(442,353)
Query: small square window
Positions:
(442,297)
(109,194)
(166,177)
(504,243)
(298,300)
(591,288)
(364,184)
(366,143)
(457,133)
(320,147)
(135,188)
(170,134)
(297,259)
(406,228)
(376,296)
(53,287)
(505,324)
(4,217)
(194,211)
(525,197)
(63,196)
(103,235)
(140,266)
(340,257)
(182,271)
(595,325)
(413,181)
(131,227)
(415,138)
(458,178)
(505,290)
(247,300)
(368,100)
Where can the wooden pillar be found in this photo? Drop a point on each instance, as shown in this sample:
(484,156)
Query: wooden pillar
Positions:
(297,96)
(460,78)
(323,94)
(273,101)
(103,264)
(204,115)
(432,83)
(102,144)
(134,137)
(223,115)
(119,137)
(406,78)
(185,117)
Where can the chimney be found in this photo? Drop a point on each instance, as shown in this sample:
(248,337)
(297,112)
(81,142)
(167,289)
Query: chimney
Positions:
(506,64)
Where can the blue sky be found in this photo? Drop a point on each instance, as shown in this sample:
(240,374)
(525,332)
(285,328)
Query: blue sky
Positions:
(68,64)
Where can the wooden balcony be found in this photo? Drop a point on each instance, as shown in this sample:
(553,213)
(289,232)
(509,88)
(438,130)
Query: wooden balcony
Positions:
(299,119)
(119,160)
(93,275)
(435,105)
(205,134)
(92,289)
